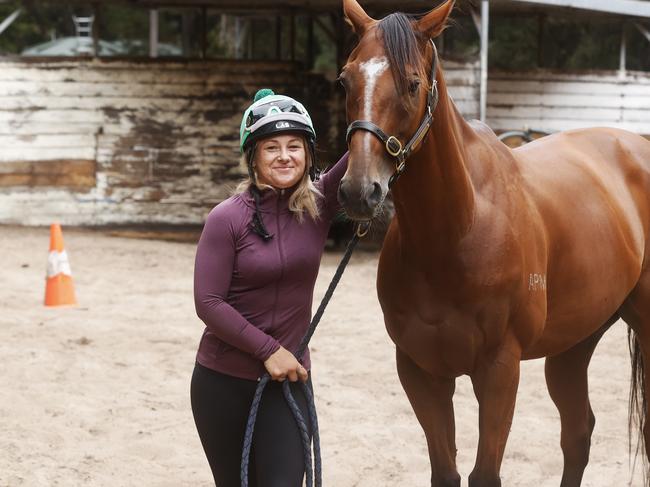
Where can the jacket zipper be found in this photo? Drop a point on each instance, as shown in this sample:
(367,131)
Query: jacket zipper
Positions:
(279,240)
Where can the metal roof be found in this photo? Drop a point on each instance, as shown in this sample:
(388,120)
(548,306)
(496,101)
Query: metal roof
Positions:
(633,8)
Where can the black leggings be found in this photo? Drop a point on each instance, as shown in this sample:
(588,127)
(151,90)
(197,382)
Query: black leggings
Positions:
(220,404)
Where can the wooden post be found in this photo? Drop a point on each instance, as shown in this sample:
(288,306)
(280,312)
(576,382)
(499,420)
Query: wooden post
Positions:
(622,65)
(541,25)
(278,37)
(186,27)
(153,33)
(339,39)
(204,32)
(310,42)
(292,36)
(485,22)
(238,38)
(251,37)
(97,21)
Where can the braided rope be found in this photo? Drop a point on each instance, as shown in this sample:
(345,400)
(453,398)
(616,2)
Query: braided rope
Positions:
(304,432)
(315,471)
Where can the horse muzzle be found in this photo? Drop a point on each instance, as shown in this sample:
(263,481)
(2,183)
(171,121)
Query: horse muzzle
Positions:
(361,202)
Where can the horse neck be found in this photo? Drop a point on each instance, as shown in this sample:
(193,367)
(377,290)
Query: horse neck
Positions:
(434,198)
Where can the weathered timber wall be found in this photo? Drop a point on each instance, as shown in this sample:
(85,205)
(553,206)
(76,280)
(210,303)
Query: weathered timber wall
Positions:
(464,85)
(553,101)
(93,142)
(103,142)
(559,101)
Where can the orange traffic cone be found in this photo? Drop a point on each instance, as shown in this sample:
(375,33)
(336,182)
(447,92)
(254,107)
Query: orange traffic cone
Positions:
(59,289)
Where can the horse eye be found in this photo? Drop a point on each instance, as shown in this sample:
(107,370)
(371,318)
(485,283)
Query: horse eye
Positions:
(414,85)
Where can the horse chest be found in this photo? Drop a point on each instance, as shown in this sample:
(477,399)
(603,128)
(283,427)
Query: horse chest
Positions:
(447,346)
(444,320)
(442,338)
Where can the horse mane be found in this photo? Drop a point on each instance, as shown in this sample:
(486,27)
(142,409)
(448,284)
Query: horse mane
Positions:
(401,43)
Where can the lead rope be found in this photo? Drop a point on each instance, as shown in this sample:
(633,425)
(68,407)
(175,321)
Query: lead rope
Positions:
(314,471)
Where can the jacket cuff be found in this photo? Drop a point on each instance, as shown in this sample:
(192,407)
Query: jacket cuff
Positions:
(269,348)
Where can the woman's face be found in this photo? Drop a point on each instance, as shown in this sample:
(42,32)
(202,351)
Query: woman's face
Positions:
(280,160)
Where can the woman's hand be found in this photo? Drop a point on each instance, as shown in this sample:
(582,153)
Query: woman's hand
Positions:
(283,365)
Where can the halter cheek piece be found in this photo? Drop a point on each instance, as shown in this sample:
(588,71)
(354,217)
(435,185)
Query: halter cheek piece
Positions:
(391,143)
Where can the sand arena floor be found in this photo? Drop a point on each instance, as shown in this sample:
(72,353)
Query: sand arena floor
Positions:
(98,395)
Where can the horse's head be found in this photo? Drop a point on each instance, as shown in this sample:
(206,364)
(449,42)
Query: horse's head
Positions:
(387,79)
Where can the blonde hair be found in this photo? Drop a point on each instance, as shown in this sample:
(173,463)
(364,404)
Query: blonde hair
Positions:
(304,198)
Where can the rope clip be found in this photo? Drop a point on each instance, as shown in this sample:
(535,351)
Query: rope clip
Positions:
(362,229)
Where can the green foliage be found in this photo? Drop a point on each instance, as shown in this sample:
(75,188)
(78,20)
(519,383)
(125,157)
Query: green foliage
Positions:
(126,24)
(516,42)
(35,24)
(513,43)
(575,45)
(461,42)
(325,50)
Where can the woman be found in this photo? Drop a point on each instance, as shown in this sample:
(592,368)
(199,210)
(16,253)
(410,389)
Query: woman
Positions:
(256,266)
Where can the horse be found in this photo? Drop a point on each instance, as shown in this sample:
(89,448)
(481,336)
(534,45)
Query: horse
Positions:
(493,255)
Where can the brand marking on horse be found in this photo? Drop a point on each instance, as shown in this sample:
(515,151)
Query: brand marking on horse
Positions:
(371,69)
(537,282)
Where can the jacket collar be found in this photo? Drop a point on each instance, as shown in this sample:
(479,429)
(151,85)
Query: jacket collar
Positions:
(271,200)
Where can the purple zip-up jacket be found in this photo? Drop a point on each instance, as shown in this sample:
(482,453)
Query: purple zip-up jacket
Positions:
(254,296)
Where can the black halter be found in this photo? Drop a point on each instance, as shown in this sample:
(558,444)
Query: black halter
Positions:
(391,143)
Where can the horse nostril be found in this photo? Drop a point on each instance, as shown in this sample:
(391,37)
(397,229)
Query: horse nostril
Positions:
(374,198)
(342,195)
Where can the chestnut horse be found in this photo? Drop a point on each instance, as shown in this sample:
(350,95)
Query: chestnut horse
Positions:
(494,255)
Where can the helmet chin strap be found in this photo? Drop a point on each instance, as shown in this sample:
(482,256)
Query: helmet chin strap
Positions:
(313,175)
(257,223)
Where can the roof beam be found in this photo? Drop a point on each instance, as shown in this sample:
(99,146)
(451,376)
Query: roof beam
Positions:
(9,20)
(643,30)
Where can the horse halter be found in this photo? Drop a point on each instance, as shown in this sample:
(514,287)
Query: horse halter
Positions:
(392,144)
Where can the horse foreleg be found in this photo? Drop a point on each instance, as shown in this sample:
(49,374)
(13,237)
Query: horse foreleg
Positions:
(566,378)
(431,399)
(495,383)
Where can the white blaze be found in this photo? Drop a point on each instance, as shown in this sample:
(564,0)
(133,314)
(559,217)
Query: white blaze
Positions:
(372,70)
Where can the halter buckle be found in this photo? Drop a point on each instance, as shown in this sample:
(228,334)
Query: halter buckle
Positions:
(393,146)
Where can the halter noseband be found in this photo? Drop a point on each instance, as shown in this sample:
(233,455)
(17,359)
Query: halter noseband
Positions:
(391,143)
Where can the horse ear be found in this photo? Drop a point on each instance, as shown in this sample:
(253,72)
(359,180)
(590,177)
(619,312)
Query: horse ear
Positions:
(356,17)
(433,23)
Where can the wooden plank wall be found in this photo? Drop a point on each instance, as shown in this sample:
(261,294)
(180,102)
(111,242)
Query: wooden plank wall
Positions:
(559,101)
(101,142)
(93,142)
(464,85)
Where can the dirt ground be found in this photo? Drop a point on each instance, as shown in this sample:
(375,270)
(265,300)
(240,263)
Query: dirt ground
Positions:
(98,395)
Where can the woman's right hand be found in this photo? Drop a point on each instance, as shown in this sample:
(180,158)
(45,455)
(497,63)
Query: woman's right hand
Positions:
(283,365)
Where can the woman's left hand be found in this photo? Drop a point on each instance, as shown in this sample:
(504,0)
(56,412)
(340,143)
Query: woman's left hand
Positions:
(283,365)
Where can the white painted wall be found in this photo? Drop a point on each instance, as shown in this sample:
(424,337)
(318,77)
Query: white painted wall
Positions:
(559,101)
